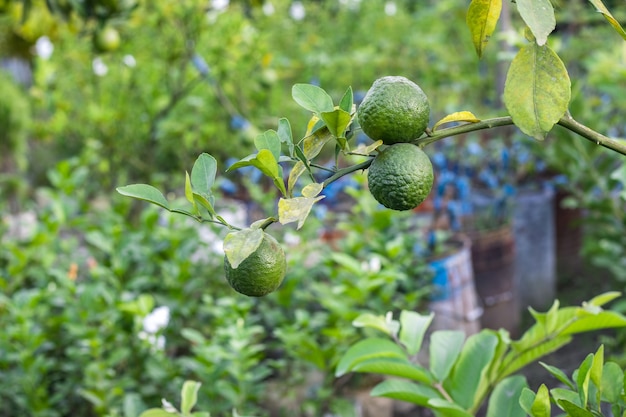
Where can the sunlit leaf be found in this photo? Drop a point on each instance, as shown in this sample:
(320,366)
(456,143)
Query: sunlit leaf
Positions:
(460,116)
(347,101)
(398,367)
(203,174)
(189,396)
(375,322)
(144,192)
(155,412)
(337,121)
(363,149)
(539,16)
(413,327)
(600,7)
(295,209)
(312,98)
(448,409)
(537,90)
(241,244)
(312,190)
(285,135)
(482,17)
(366,349)
(445,347)
(268,140)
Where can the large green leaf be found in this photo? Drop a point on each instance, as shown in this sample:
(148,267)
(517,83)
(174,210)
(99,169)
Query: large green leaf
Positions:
(583,378)
(347,101)
(537,90)
(539,16)
(541,404)
(482,17)
(573,410)
(607,297)
(285,135)
(156,412)
(504,400)
(144,192)
(405,391)
(203,174)
(445,347)
(312,98)
(399,367)
(600,7)
(241,244)
(467,376)
(368,349)
(558,374)
(413,326)
(189,396)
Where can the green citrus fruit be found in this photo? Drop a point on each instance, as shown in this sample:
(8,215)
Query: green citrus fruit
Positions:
(260,273)
(401,176)
(106,40)
(394,110)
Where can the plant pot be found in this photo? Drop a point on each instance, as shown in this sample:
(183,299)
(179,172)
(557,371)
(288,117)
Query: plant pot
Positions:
(454,300)
(535,265)
(493,260)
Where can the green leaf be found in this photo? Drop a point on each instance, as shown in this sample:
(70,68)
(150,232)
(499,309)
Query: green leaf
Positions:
(600,7)
(519,358)
(313,144)
(201,414)
(241,244)
(582,379)
(466,378)
(265,162)
(144,192)
(588,321)
(413,326)
(368,349)
(526,400)
(539,16)
(347,101)
(541,404)
(565,394)
(205,202)
(399,367)
(337,121)
(295,209)
(573,410)
(189,396)
(459,116)
(156,412)
(559,374)
(189,191)
(597,366)
(504,400)
(537,90)
(447,408)
(605,298)
(268,140)
(389,327)
(312,98)
(285,135)
(445,347)
(612,382)
(203,174)
(482,17)
(404,391)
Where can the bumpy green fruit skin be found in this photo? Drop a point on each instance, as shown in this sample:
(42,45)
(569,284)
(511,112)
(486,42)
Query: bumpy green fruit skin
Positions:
(401,176)
(394,110)
(261,273)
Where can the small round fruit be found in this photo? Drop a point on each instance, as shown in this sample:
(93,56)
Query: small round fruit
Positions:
(394,110)
(401,176)
(106,40)
(260,273)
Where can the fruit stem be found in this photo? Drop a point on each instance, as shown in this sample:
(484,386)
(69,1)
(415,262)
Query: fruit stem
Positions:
(348,170)
(567,121)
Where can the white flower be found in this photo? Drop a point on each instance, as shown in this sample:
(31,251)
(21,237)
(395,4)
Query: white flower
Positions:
(296,11)
(268,8)
(99,67)
(156,320)
(44,47)
(390,8)
(129,61)
(220,5)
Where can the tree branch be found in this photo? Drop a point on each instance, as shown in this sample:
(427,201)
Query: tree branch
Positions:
(569,123)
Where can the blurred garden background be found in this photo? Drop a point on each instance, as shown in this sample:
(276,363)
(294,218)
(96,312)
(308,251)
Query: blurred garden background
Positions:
(107,305)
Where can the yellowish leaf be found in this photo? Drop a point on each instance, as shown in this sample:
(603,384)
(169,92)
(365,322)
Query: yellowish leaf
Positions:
(482,17)
(459,116)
